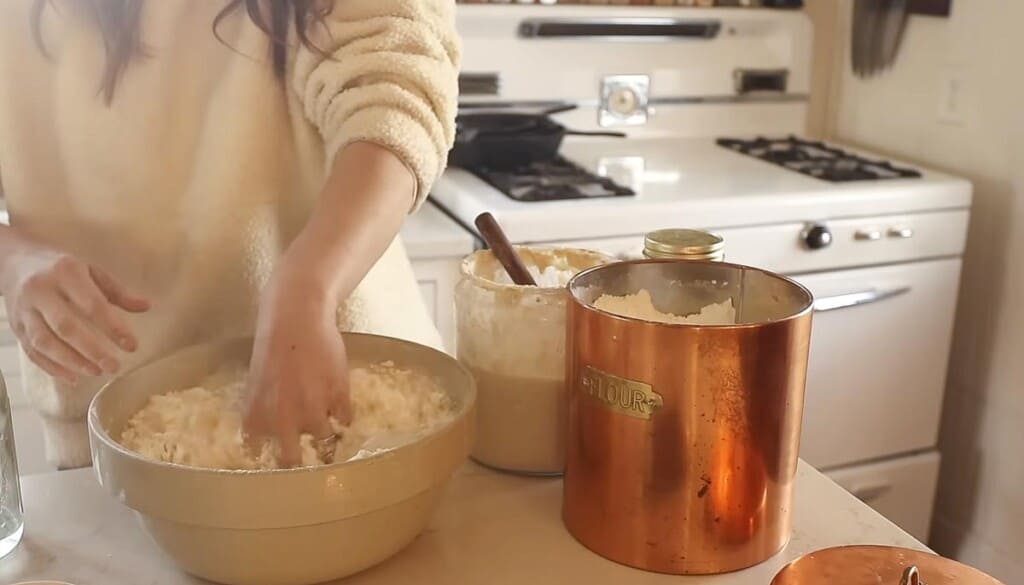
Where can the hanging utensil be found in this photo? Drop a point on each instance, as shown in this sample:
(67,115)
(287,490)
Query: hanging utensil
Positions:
(893,28)
(860,36)
(873,49)
(865,27)
(878,29)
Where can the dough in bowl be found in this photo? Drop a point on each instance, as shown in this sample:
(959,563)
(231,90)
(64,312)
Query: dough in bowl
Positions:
(202,426)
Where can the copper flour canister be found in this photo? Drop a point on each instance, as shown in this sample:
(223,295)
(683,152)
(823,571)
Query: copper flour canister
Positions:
(686,387)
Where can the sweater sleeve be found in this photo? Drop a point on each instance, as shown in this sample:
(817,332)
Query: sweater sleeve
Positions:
(386,72)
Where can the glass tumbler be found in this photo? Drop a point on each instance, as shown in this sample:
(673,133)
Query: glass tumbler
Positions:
(11,513)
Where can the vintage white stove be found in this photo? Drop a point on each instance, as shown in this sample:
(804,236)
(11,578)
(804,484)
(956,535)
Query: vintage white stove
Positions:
(878,242)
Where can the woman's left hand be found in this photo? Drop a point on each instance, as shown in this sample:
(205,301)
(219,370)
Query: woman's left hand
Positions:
(298,378)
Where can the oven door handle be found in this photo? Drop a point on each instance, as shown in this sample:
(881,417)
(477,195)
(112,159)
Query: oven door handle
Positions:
(856,299)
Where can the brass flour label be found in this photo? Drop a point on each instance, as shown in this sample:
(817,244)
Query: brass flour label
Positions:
(627,397)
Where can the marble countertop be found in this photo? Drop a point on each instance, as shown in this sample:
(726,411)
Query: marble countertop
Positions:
(491,529)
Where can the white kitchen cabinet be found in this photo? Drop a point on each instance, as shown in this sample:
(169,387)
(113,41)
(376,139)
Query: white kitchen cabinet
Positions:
(901,489)
(437,279)
(436,246)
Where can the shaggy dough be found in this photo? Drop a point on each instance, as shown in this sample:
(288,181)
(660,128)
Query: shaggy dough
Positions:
(202,426)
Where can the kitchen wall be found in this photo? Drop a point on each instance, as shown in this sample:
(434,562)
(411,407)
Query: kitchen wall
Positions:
(955,100)
(825,75)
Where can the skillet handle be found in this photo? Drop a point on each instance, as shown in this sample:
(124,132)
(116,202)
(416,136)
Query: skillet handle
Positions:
(586,133)
(561,109)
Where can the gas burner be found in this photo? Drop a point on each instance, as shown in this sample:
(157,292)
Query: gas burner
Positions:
(551,180)
(817,159)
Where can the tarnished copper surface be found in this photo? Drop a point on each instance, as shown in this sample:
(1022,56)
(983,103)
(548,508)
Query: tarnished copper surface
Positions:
(683,440)
(878,565)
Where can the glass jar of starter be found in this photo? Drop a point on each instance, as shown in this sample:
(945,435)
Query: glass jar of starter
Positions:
(512,339)
(684,244)
(11,523)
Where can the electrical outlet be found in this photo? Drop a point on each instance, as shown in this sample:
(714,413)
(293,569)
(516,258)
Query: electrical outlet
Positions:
(953,95)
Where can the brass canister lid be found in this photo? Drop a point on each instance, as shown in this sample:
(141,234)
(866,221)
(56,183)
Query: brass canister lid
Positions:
(685,244)
(878,565)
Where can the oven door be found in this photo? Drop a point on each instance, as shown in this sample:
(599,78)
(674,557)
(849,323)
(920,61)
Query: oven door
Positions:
(902,489)
(879,349)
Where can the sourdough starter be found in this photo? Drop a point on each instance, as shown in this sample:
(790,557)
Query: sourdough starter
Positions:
(512,338)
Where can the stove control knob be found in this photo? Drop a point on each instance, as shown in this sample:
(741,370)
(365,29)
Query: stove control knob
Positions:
(817,236)
(623,101)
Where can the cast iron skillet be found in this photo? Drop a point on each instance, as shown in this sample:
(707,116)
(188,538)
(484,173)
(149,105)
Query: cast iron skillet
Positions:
(508,140)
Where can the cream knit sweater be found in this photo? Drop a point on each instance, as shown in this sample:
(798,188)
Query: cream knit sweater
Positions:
(206,165)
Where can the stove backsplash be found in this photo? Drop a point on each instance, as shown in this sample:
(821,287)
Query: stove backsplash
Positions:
(649,70)
(699,3)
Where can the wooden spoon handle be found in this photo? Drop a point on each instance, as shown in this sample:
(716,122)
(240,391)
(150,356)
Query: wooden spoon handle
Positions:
(498,242)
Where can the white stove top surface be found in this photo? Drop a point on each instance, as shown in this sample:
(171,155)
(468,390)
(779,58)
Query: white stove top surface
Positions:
(691,183)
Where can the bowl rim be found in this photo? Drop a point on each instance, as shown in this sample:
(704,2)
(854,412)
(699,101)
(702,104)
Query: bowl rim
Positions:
(96,428)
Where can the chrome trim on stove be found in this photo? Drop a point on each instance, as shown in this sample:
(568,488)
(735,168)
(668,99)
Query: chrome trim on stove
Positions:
(902,232)
(632,29)
(469,102)
(731,99)
(748,81)
(856,299)
(867,235)
(487,105)
(478,83)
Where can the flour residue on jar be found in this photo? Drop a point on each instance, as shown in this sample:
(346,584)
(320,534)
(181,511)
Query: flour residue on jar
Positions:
(640,305)
(547,277)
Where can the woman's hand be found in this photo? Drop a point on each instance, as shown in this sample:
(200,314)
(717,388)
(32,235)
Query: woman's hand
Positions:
(65,312)
(298,379)
(299,373)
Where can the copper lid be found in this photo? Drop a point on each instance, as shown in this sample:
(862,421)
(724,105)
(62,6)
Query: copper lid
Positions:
(878,565)
(683,243)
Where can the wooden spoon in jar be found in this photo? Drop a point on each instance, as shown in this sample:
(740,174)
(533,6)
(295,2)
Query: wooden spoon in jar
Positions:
(498,242)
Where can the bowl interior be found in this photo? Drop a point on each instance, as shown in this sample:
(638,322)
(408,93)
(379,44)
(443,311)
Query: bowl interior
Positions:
(117,402)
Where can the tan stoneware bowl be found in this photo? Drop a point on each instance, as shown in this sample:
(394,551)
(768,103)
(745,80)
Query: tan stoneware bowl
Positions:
(281,527)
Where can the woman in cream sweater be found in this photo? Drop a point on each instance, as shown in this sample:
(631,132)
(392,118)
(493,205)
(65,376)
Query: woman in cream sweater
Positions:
(183,170)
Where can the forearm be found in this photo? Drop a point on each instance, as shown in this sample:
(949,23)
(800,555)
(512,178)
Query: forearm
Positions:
(365,199)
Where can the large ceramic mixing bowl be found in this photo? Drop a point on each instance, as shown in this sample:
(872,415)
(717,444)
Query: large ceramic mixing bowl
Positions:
(281,527)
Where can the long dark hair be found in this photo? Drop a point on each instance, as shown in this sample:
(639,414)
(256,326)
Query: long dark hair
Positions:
(118,23)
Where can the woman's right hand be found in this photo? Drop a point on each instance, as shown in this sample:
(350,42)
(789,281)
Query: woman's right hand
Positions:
(65,312)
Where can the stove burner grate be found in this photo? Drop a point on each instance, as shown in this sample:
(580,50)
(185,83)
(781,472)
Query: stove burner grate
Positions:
(552,180)
(818,160)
